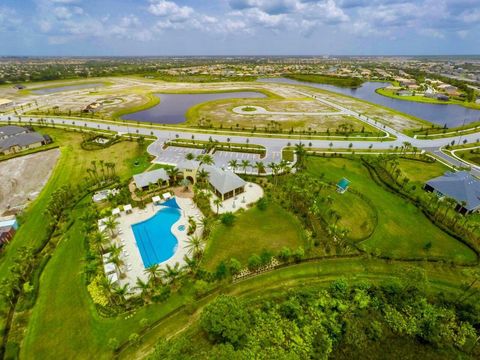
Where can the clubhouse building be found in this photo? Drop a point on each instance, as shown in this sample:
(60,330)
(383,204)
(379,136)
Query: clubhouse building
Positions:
(225,184)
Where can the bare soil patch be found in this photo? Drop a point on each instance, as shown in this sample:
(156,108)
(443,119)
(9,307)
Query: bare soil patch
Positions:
(24,177)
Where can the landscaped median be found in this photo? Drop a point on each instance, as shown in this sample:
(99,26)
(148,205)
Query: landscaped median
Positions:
(215,145)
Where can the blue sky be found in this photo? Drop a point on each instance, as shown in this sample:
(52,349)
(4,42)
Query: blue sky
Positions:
(239,27)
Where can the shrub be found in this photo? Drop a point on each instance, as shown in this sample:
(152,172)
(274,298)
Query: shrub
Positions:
(285,254)
(254,262)
(200,288)
(234,266)
(97,292)
(262,204)
(266,257)
(228,219)
(299,254)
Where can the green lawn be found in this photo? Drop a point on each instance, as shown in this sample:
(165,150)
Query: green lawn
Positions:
(472,156)
(356,214)
(402,229)
(253,231)
(420,172)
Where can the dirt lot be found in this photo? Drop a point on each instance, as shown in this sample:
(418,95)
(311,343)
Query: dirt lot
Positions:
(24,177)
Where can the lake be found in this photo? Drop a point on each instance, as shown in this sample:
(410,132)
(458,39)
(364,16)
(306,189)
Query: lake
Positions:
(64,88)
(440,114)
(172,107)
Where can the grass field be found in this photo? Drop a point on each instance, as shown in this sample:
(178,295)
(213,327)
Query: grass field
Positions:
(472,156)
(398,231)
(253,231)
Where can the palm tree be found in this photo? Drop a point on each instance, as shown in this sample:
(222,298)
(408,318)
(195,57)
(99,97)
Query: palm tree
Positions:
(233,164)
(98,239)
(260,166)
(274,169)
(217,202)
(244,165)
(191,264)
(171,273)
(194,246)
(300,152)
(144,287)
(121,292)
(206,159)
(189,156)
(153,273)
(173,174)
(111,225)
(202,175)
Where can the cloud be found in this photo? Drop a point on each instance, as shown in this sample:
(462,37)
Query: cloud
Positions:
(9,20)
(170,10)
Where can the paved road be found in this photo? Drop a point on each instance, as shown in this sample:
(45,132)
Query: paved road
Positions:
(273,145)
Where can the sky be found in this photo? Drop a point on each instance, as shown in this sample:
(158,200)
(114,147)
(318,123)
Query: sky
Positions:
(238,27)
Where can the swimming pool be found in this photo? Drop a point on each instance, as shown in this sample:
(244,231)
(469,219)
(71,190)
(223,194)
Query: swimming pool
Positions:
(154,237)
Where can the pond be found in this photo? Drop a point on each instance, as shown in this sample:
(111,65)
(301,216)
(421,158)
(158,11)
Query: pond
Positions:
(65,88)
(172,107)
(440,114)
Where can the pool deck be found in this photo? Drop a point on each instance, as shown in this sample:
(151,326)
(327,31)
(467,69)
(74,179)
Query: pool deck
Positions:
(134,267)
(253,192)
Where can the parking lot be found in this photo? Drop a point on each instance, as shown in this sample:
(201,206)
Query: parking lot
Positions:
(173,155)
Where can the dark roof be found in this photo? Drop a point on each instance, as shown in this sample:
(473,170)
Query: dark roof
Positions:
(461,186)
(11,130)
(21,140)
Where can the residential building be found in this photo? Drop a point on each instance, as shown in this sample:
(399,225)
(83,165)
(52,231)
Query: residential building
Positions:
(461,186)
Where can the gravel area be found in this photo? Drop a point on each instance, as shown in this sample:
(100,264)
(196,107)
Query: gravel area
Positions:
(24,177)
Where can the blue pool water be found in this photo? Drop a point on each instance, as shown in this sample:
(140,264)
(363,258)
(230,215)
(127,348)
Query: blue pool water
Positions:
(154,237)
(181,227)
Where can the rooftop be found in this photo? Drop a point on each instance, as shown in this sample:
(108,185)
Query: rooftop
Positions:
(21,140)
(461,186)
(11,130)
(223,181)
(150,177)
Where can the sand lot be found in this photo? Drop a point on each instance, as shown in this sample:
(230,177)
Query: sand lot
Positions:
(23,178)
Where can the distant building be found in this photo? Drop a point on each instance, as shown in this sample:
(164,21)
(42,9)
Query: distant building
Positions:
(461,186)
(404,93)
(14,139)
(449,89)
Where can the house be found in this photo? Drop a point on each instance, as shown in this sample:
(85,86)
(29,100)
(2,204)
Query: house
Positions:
(5,104)
(8,227)
(461,186)
(144,180)
(225,184)
(21,142)
(449,89)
